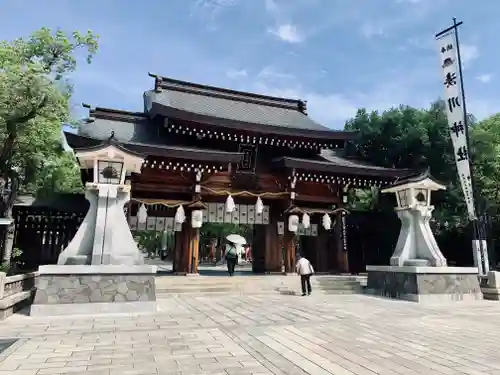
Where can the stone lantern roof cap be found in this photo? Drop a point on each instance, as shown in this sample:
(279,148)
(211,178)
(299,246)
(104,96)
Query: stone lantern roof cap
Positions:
(421,181)
(110,150)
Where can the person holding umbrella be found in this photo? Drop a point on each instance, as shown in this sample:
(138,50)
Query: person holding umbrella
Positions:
(235,243)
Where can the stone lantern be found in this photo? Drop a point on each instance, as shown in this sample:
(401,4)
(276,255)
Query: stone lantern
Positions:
(418,270)
(104,236)
(416,244)
(101,270)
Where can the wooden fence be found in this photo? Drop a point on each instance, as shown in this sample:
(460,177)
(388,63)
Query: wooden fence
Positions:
(44,229)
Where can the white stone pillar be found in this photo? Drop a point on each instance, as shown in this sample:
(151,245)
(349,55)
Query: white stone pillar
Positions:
(416,242)
(104,237)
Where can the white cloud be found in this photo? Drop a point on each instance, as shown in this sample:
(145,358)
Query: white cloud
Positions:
(484,78)
(214,4)
(328,109)
(208,10)
(468,53)
(482,109)
(287,33)
(271,6)
(370,30)
(332,108)
(270,73)
(234,74)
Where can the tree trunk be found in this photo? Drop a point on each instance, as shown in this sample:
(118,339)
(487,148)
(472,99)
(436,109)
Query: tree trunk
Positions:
(6,207)
(6,153)
(8,243)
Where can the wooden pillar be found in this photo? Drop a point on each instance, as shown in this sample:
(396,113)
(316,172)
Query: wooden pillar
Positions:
(280,257)
(268,256)
(341,248)
(193,249)
(322,250)
(177,256)
(331,245)
(259,249)
(182,256)
(289,237)
(272,245)
(289,244)
(276,253)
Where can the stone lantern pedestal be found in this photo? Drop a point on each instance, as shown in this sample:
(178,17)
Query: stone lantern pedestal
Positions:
(101,270)
(418,271)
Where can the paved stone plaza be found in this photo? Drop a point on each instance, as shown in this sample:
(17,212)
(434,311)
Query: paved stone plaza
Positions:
(276,334)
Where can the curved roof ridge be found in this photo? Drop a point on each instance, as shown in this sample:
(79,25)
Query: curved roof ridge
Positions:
(171,83)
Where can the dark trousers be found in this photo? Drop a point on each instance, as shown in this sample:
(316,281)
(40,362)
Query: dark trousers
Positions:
(231,263)
(305,280)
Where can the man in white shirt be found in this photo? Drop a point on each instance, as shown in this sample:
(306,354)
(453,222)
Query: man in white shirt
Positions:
(305,269)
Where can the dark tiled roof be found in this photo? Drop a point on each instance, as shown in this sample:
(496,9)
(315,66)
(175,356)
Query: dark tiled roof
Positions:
(235,109)
(135,132)
(162,150)
(329,162)
(127,126)
(334,158)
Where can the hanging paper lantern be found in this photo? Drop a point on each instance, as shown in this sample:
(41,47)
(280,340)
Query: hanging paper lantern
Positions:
(293,223)
(327,222)
(259,206)
(142,215)
(306,220)
(197,218)
(180,215)
(230,204)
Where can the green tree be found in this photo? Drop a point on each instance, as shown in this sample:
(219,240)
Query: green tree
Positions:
(34,96)
(412,138)
(485,141)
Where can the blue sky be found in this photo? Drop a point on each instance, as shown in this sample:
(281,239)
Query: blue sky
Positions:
(337,54)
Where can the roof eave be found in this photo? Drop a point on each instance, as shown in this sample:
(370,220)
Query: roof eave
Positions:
(414,179)
(311,165)
(105,145)
(158,109)
(163,151)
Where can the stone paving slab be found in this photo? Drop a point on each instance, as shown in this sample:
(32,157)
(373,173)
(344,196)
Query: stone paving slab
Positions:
(258,335)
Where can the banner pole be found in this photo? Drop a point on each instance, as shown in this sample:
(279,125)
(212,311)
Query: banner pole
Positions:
(477,243)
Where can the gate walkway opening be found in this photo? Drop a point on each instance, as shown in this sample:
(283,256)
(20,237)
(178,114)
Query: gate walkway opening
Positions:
(164,268)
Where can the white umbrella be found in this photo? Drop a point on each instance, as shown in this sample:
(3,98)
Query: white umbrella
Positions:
(236,239)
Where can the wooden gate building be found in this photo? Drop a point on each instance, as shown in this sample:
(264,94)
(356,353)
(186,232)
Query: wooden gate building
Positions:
(204,143)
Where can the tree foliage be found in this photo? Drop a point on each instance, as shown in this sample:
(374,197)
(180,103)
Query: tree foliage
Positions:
(485,140)
(412,138)
(34,96)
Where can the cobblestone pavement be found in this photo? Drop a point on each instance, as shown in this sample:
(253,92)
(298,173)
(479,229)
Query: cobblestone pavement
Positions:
(276,334)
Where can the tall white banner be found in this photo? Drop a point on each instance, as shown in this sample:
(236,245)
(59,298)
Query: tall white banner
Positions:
(454,110)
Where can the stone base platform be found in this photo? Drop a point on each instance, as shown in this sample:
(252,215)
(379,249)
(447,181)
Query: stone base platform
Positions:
(81,290)
(491,286)
(424,284)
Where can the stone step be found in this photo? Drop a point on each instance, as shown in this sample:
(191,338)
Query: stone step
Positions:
(330,285)
(244,279)
(166,286)
(215,292)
